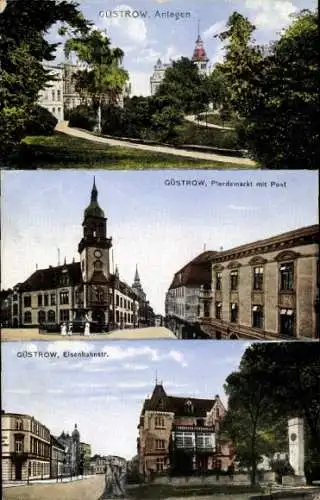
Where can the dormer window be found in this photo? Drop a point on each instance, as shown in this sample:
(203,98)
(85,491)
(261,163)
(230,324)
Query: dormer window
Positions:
(189,406)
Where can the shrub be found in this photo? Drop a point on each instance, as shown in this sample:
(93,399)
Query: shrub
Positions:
(40,122)
(83,116)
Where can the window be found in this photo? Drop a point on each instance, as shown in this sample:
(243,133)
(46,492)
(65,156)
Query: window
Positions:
(53,299)
(97,265)
(64,297)
(203,440)
(217,413)
(18,444)
(100,295)
(218,310)
(39,300)
(286,322)
(19,424)
(184,439)
(27,301)
(258,278)
(159,422)
(160,444)
(234,280)
(46,299)
(286,276)
(15,309)
(257,316)
(218,280)
(53,110)
(188,407)
(64,315)
(120,301)
(51,316)
(117,300)
(234,313)
(27,317)
(117,317)
(160,464)
(41,317)
(59,95)
(15,297)
(53,94)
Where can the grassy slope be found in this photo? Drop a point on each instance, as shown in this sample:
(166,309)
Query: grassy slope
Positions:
(62,151)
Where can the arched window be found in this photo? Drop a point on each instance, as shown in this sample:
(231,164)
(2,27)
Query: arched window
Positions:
(27,317)
(41,317)
(19,424)
(51,316)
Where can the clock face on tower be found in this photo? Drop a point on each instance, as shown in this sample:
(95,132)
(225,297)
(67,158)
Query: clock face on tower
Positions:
(97,253)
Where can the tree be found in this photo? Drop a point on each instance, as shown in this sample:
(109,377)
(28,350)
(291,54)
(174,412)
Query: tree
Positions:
(275,382)
(23,48)
(103,80)
(275,90)
(183,88)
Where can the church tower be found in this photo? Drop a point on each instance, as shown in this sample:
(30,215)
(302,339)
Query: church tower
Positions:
(200,57)
(95,260)
(137,287)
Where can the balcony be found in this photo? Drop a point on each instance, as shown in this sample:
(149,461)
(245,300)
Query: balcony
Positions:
(205,295)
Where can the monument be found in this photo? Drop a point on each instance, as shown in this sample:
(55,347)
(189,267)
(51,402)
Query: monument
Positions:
(296,448)
(115,477)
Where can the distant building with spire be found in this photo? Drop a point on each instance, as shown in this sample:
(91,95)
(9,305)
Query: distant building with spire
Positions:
(199,57)
(88,290)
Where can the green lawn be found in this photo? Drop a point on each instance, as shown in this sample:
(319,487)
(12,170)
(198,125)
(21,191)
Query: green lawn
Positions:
(150,491)
(62,151)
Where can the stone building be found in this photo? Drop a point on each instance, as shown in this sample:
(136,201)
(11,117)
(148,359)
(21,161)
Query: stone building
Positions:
(98,464)
(158,75)
(182,304)
(80,291)
(52,97)
(73,464)
(180,435)
(85,452)
(58,458)
(267,289)
(26,448)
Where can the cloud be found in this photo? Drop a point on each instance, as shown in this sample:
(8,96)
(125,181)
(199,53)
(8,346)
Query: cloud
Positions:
(133,29)
(272,14)
(134,367)
(178,357)
(242,207)
(214,29)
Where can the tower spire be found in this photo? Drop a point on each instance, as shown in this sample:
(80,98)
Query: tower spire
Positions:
(94,191)
(136,276)
(198,29)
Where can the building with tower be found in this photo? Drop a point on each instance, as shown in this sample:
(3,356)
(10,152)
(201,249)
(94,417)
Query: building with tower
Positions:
(180,436)
(199,57)
(73,464)
(85,291)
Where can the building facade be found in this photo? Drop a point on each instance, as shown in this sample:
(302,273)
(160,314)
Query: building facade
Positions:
(182,304)
(58,458)
(158,75)
(267,289)
(26,448)
(180,436)
(74,455)
(52,97)
(82,291)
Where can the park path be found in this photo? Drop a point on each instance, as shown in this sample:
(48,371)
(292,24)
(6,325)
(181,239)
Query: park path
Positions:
(193,119)
(64,128)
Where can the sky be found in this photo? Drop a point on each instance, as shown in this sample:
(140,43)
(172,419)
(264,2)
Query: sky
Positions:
(145,39)
(156,226)
(104,396)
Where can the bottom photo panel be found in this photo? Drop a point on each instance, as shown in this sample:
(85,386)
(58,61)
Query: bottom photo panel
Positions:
(160,420)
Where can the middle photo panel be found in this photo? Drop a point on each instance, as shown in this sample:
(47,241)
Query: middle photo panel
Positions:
(183,254)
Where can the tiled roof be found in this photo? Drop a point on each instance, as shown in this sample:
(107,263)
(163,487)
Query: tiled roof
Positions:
(46,279)
(160,401)
(196,272)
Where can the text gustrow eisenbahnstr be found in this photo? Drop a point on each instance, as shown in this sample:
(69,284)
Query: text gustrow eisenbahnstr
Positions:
(228,184)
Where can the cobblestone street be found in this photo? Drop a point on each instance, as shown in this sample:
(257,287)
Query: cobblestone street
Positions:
(87,489)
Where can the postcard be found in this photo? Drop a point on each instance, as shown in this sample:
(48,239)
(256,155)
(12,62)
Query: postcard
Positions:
(150,421)
(194,254)
(159,84)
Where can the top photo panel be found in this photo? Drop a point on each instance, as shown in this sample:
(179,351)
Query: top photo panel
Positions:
(159,84)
